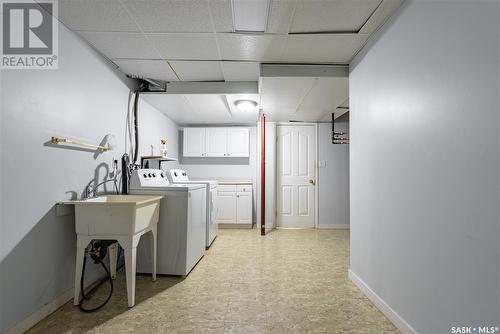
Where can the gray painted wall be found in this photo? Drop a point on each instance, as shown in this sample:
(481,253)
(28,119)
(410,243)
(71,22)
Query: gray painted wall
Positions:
(333,185)
(83,99)
(425,164)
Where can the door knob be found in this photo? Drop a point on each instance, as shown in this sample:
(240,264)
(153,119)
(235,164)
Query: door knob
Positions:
(311,181)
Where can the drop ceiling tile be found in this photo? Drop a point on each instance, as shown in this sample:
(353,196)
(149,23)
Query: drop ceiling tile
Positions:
(240,71)
(176,15)
(323,98)
(323,48)
(280,16)
(280,94)
(222,14)
(176,107)
(188,46)
(121,44)
(251,47)
(147,68)
(96,15)
(211,108)
(332,15)
(383,12)
(198,70)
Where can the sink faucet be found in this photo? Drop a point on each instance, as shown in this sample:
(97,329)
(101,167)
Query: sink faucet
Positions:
(91,191)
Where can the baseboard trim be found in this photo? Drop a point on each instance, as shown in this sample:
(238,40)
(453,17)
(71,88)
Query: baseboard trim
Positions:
(235,226)
(395,318)
(334,226)
(49,308)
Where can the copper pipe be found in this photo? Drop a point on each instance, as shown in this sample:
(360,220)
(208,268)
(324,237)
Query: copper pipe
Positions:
(263,175)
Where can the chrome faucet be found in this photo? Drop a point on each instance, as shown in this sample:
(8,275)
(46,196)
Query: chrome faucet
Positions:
(91,191)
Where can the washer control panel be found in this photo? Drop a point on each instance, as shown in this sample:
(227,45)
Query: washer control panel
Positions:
(148,178)
(178,175)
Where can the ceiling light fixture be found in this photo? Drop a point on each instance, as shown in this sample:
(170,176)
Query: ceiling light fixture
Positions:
(245,105)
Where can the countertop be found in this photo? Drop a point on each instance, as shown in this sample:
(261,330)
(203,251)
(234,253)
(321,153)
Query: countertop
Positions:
(223,182)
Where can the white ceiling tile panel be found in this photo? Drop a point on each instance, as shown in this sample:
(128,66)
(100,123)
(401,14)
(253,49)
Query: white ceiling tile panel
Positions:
(222,15)
(324,98)
(280,16)
(251,47)
(240,71)
(171,15)
(189,46)
(176,107)
(96,15)
(332,15)
(210,108)
(282,96)
(323,48)
(381,15)
(198,70)
(147,68)
(121,44)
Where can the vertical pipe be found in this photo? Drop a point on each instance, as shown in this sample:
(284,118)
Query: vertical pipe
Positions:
(263,175)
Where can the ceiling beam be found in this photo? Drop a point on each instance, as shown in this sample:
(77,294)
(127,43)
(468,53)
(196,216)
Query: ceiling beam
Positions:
(302,70)
(196,87)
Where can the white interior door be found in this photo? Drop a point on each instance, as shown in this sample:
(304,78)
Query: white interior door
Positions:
(296,177)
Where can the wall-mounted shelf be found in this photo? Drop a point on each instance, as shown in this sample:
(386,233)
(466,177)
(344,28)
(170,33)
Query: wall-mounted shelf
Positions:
(108,143)
(157,158)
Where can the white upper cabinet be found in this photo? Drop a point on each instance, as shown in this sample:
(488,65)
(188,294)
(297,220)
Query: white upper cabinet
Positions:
(238,142)
(217,142)
(194,142)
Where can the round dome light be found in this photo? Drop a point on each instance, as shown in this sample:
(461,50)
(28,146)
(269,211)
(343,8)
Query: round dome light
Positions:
(245,105)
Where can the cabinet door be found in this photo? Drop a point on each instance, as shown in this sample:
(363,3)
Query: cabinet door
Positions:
(226,207)
(244,208)
(216,142)
(194,142)
(238,142)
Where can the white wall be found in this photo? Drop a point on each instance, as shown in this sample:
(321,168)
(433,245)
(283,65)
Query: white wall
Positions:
(333,178)
(153,126)
(425,151)
(223,168)
(83,99)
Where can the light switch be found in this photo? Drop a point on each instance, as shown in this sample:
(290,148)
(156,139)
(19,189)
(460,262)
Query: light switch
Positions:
(322,164)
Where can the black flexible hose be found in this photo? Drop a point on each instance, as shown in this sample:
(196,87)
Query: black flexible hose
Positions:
(94,289)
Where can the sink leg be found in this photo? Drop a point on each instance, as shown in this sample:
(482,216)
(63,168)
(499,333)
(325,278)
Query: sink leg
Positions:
(80,253)
(113,257)
(130,266)
(82,243)
(154,248)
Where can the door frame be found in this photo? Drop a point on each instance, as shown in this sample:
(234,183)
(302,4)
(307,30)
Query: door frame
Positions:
(316,172)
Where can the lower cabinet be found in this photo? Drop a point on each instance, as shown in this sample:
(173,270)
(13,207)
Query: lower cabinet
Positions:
(234,206)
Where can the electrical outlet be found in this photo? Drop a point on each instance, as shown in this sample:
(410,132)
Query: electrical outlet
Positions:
(322,164)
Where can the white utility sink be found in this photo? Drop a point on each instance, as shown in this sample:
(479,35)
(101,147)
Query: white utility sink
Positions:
(115,214)
(124,218)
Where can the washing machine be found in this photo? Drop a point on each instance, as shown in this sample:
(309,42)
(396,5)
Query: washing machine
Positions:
(182,225)
(180,176)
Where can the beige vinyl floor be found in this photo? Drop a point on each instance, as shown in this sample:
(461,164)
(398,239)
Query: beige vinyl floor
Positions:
(290,281)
